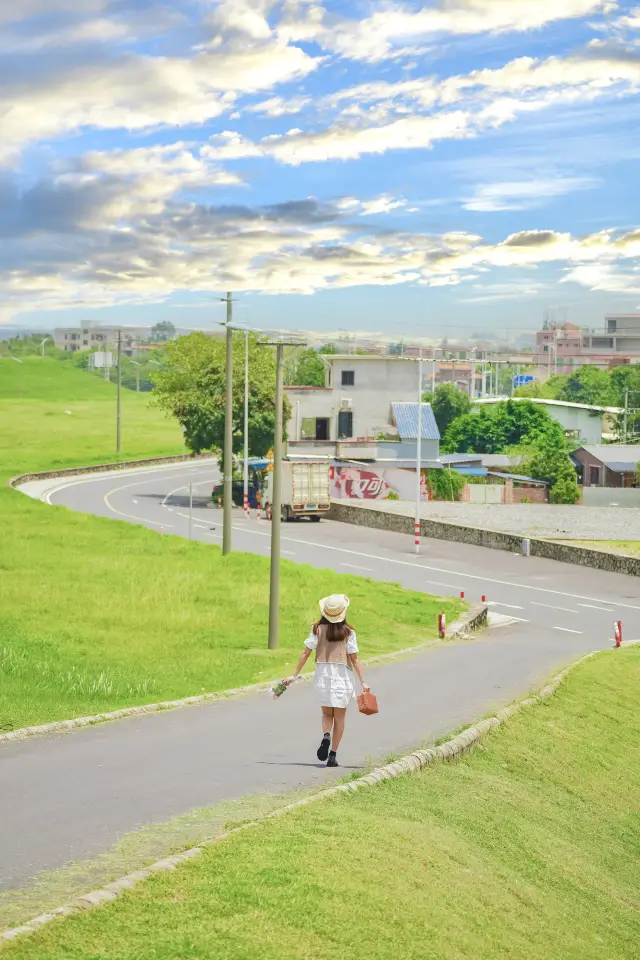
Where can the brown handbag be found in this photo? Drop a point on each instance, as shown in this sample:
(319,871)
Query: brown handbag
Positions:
(367,703)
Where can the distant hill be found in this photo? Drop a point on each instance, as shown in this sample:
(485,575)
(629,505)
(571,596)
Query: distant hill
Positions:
(49,379)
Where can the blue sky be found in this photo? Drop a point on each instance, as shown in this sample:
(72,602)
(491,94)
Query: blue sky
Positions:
(404,168)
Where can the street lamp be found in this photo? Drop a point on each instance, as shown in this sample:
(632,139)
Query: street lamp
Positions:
(276,497)
(137,366)
(48,337)
(20,362)
(227,474)
(419,458)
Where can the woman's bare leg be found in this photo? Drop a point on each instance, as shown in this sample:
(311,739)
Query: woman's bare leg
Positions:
(339,717)
(327,719)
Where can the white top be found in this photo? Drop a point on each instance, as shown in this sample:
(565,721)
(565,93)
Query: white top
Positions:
(352,643)
(334,681)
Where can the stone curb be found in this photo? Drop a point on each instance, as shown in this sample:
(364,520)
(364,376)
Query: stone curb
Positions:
(108,467)
(450,750)
(460,631)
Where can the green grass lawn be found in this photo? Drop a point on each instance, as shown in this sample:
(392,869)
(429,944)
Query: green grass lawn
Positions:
(527,849)
(96,614)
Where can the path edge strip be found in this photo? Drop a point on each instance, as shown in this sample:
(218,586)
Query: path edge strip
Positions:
(461,630)
(450,750)
(115,465)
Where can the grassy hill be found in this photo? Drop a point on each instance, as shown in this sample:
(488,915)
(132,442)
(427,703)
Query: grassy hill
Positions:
(67,418)
(527,849)
(96,614)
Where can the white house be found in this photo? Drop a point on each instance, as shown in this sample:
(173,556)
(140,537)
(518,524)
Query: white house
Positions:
(354,404)
(581,421)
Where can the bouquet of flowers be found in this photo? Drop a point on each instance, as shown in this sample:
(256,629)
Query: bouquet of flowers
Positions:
(279,688)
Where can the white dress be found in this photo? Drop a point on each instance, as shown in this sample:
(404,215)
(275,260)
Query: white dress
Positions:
(335,682)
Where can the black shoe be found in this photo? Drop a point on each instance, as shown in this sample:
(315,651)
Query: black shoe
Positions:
(333,760)
(323,749)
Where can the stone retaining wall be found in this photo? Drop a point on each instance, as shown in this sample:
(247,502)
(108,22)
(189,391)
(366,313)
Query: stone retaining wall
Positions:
(106,467)
(480,537)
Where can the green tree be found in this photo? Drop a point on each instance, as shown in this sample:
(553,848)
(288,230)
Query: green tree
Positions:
(587,385)
(496,428)
(550,461)
(447,404)
(305,369)
(192,388)
(164,330)
(549,390)
(446,484)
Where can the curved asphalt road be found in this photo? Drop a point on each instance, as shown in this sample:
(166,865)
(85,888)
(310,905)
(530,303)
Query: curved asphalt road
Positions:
(73,795)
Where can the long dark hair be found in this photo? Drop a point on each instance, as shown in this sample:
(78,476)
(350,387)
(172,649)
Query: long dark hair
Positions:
(335,631)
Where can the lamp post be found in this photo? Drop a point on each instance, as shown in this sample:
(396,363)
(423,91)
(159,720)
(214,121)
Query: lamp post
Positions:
(20,362)
(276,497)
(419,457)
(48,337)
(245,474)
(227,474)
(137,366)
(118,398)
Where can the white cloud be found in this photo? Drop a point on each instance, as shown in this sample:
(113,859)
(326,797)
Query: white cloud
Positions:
(114,228)
(524,194)
(414,114)
(133,91)
(383,204)
(377,37)
(279,106)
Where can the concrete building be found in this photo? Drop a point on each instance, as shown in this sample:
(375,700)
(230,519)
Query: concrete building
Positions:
(88,336)
(580,421)
(354,404)
(607,465)
(566,347)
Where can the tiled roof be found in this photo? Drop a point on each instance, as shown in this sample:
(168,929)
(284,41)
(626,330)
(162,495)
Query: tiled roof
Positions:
(405,416)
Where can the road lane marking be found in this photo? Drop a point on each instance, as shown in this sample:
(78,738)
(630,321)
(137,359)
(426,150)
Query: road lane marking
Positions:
(288,553)
(454,573)
(592,607)
(108,475)
(549,606)
(566,630)
(352,566)
(510,606)
(354,553)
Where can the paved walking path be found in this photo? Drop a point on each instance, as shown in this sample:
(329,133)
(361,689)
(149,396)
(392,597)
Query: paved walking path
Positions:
(73,795)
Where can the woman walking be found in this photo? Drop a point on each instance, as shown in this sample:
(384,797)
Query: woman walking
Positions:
(336,647)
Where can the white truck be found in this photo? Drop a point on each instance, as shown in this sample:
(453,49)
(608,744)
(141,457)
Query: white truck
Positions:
(306,489)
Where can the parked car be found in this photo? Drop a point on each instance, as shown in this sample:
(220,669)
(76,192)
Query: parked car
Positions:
(237,494)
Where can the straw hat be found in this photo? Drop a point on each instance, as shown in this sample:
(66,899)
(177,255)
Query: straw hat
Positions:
(334,608)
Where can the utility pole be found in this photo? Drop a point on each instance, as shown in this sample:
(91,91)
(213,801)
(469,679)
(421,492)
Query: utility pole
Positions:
(434,364)
(228,435)
(247,512)
(626,415)
(118,404)
(419,458)
(276,493)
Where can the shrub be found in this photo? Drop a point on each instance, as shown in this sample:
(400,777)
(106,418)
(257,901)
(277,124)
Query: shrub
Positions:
(565,490)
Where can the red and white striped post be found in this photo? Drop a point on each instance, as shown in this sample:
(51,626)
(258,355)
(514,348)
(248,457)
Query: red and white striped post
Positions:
(268,511)
(416,530)
(247,508)
(219,501)
(442,625)
(617,633)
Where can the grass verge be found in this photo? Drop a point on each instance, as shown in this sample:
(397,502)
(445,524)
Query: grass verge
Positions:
(96,614)
(629,548)
(528,848)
